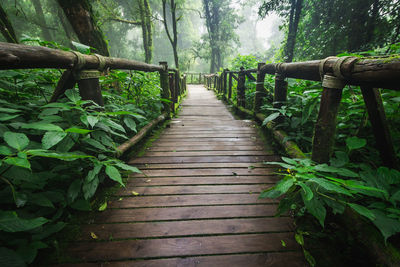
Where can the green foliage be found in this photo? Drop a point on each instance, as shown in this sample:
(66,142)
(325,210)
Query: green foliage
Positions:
(54,156)
(315,188)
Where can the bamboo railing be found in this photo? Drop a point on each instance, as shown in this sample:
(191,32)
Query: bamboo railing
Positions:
(86,69)
(334,73)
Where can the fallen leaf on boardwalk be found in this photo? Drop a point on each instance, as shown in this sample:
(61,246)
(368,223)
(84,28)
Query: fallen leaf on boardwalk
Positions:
(148,181)
(103,206)
(234,173)
(135,193)
(93,235)
(283,243)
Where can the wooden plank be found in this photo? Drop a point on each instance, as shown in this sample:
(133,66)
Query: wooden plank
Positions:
(185,246)
(209,165)
(210,139)
(208,153)
(204,180)
(184,213)
(203,159)
(187,200)
(185,190)
(270,259)
(205,172)
(204,148)
(186,228)
(208,143)
(210,135)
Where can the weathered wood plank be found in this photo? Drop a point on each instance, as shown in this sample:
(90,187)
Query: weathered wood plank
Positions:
(148,166)
(204,148)
(203,159)
(204,172)
(186,246)
(204,180)
(185,228)
(184,190)
(188,200)
(184,213)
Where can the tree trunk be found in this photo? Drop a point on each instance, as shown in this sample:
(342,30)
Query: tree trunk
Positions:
(173,39)
(149,26)
(79,14)
(6,27)
(42,21)
(295,12)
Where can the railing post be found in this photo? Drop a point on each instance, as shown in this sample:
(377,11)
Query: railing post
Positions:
(177,86)
(230,85)
(224,89)
(241,98)
(172,87)
(164,84)
(215,81)
(191,78)
(380,127)
(260,90)
(89,86)
(280,92)
(199,78)
(325,127)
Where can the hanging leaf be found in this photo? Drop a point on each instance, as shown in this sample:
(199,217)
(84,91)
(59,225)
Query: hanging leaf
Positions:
(42,126)
(271,117)
(51,139)
(78,130)
(114,174)
(16,140)
(103,206)
(84,49)
(355,143)
(10,222)
(362,210)
(316,208)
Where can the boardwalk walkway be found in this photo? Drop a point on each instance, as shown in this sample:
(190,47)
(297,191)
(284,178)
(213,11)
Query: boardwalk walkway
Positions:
(198,202)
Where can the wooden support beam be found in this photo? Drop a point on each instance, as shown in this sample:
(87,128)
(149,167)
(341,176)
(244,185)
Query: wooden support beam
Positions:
(250,76)
(234,76)
(325,127)
(241,95)
(260,90)
(89,89)
(230,86)
(280,94)
(67,81)
(165,90)
(376,113)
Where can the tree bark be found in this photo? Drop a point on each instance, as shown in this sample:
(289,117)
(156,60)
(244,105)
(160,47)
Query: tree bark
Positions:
(294,18)
(40,15)
(79,14)
(174,38)
(6,27)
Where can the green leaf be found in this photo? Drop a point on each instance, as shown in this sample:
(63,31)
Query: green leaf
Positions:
(299,239)
(74,189)
(73,95)
(93,173)
(78,130)
(284,185)
(307,190)
(127,167)
(16,140)
(271,117)
(95,144)
(355,142)
(10,222)
(67,156)
(7,117)
(49,230)
(362,210)
(90,187)
(103,206)
(130,123)
(340,160)
(82,205)
(9,110)
(84,49)
(290,161)
(92,120)
(330,186)
(40,200)
(51,139)
(42,126)
(316,208)
(113,124)
(114,174)
(17,161)
(386,225)
(9,257)
(6,151)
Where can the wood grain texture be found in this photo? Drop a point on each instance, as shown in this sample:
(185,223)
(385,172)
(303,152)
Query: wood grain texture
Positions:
(196,202)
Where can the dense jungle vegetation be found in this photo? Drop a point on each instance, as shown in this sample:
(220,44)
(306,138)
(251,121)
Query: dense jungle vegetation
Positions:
(54,156)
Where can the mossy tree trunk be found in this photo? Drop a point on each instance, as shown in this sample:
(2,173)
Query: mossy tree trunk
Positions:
(42,21)
(6,27)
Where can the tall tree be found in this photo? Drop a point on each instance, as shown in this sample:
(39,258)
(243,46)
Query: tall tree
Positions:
(281,6)
(41,19)
(221,21)
(147,29)
(174,38)
(6,27)
(80,15)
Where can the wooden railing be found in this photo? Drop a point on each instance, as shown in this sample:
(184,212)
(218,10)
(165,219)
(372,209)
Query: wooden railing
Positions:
(195,77)
(335,73)
(86,69)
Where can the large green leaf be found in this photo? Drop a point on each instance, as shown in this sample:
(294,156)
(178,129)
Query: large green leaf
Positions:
(51,139)
(387,226)
(96,144)
(114,174)
(78,130)
(362,210)
(127,167)
(90,187)
(330,186)
(17,161)
(16,140)
(315,207)
(73,95)
(9,258)
(7,117)
(130,123)
(9,110)
(5,151)
(42,126)
(74,189)
(355,142)
(82,205)
(306,190)
(271,117)
(10,222)
(67,156)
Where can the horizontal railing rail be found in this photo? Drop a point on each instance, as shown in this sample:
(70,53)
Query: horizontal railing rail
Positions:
(334,73)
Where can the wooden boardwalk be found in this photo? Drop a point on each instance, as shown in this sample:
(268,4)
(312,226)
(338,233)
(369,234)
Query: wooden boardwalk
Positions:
(198,200)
